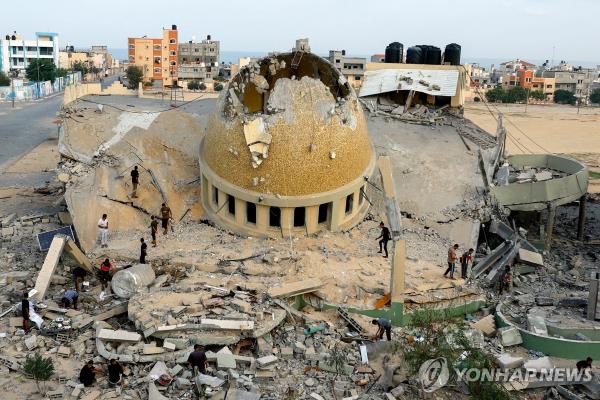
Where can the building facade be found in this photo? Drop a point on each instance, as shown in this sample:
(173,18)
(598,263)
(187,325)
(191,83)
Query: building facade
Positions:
(353,68)
(158,58)
(16,53)
(199,60)
(577,82)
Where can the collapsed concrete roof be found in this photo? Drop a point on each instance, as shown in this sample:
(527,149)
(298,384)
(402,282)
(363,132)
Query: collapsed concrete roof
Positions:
(288,125)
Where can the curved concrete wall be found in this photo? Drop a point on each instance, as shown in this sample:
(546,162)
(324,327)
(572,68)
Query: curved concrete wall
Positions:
(534,196)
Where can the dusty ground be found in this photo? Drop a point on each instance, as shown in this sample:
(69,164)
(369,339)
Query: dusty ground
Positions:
(556,128)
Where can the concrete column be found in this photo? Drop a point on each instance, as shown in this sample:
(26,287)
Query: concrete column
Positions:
(550,225)
(262,217)
(240,212)
(312,219)
(205,192)
(222,200)
(287,221)
(593,296)
(337,214)
(581,221)
(398,271)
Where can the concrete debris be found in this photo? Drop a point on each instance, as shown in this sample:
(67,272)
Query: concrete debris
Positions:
(506,361)
(127,282)
(509,336)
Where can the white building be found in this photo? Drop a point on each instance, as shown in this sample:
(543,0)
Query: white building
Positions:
(17,53)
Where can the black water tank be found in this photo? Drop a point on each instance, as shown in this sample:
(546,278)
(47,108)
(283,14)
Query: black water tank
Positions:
(207,37)
(343,52)
(394,53)
(414,55)
(174,27)
(452,54)
(433,56)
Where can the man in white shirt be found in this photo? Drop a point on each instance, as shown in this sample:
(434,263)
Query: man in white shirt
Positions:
(103,230)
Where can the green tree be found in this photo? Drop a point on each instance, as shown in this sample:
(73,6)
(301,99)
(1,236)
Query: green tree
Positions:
(202,86)
(40,368)
(564,97)
(40,70)
(61,72)
(194,85)
(80,66)
(134,75)
(515,94)
(4,79)
(595,96)
(537,95)
(495,95)
(218,87)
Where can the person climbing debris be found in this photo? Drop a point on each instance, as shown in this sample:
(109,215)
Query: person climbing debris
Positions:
(505,280)
(383,325)
(584,364)
(78,276)
(385,237)
(69,299)
(143,251)
(197,360)
(166,215)
(135,180)
(105,273)
(103,230)
(451,261)
(153,229)
(115,373)
(465,259)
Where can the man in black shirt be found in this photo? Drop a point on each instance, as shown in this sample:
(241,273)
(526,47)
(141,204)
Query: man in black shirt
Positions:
(115,371)
(135,179)
(87,375)
(25,311)
(143,249)
(197,359)
(584,364)
(385,237)
(78,276)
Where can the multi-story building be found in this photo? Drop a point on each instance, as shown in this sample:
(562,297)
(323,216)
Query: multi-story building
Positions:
(158,58)
(378,58)
(578,82)
(353,68)
(544,85)
(477,75)
(16,53)
(510,68)
(199,60)
(93,57)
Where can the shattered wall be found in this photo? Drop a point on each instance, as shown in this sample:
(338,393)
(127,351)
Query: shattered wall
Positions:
(102,148)
(288,131)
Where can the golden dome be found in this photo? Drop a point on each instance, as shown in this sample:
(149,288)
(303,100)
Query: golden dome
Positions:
(288,131)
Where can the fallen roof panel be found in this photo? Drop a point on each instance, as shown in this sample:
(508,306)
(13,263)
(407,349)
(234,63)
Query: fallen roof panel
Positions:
(391,80)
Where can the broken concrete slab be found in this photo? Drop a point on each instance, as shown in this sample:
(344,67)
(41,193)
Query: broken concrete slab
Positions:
(119,336)
(540,364)
(50,263)
(537,324)
(227,324)
(506,361)
(93,395)
(236,394)
(487,325)
(296,288)
(154,394)
(531,257)
(509,336)
(225,361)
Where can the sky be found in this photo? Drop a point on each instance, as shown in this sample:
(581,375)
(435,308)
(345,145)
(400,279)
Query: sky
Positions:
(492,29)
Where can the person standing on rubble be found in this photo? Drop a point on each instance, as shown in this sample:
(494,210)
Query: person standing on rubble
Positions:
(115,373)
(105,271)
(383,325)
(166,215)
(103,230)
(25,311)
(87,375)
(451,261)
(143,251)
(505,280)
(153,229)
(465,259)
(78,276)
(135,180)
(197,359)
(385,238)
(70,299)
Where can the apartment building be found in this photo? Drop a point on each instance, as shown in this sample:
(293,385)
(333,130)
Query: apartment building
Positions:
(158,58)
(353,68)
(579,82)
(16,53)
(199,60)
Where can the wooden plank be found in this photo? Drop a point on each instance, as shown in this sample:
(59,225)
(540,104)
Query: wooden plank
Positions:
(228,324)
(50,262)
(296,288)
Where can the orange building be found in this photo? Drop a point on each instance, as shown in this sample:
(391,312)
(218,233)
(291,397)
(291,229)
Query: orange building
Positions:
(158,58)
(525,77)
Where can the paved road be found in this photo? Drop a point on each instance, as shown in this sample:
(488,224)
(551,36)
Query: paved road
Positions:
(26,126)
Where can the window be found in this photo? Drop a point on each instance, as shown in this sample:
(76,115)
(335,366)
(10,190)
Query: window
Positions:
(549,86)
(132,46)
(323,213)
(208,75)
(231,204)
(172,41)
(147,59)
(156,60)
(147,47)
(275,217)
(157,47)
(131,58)
(184,60)
(299,215)
(356,78)
(173,63)
(251,213)
(173,53)
(215,195)
(157,70)
(349,203)
(196,50)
